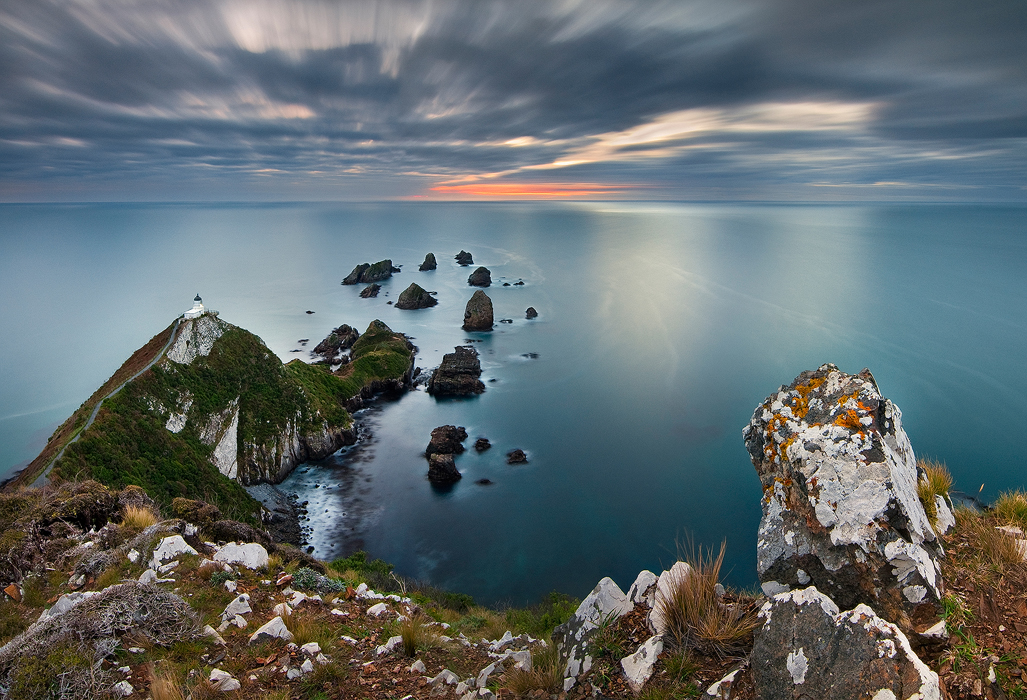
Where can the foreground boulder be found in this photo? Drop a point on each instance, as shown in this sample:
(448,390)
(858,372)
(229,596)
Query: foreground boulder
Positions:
(429,263)
(414,297)
(365,273)
(604,604)
(478,313)
(806,648)
(446,440)
(840,505)
(458,375)
(480,278)
(338,341)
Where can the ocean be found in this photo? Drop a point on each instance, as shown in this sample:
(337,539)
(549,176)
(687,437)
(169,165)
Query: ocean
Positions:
(661,327)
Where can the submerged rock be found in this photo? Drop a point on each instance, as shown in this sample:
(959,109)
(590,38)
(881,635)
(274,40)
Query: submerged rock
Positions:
(478,313)
(464,258)
(480,278)
(442,469)
(446,439)
(806,648)
(531,313)
(370,291)
(482,444)
(840,505)
(365,273)
(457,375)
(429,263)
(414,297)
(338,341)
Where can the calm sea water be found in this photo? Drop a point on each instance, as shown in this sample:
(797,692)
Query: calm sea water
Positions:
(661,327)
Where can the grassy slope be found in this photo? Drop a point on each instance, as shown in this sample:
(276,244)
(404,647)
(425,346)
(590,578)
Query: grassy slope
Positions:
(129,444)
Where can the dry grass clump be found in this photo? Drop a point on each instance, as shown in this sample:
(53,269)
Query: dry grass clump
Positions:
(935,480)
(993,551)
(696,616)
(417,633)
(305,627)
(546,673)
(138,517)
(164,686)
(1011,507)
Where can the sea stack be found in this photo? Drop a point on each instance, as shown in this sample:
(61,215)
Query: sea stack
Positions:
(366,273)
(464,258)
(415,297)
(478,314)
(458,375)
(429,263)
(480,278)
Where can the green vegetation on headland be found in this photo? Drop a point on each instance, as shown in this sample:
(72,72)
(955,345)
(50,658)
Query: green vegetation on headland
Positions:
(135,438)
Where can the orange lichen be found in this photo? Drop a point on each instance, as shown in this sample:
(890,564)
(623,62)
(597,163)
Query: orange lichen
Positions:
(850,420)
(800,403)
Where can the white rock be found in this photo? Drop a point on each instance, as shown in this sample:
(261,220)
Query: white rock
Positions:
(938,631)
(168,549)
(217,675)
(240,622)
(293,673)
(483,675)
(946,521)
(275,629)
(321,659)
(133,555)
(521,659)
(283,610)
(251,555)
(638,667)
(460,689)
(136,650)
(311,648)
(127,670)
(340,613)
(123,688)
(391,644)
(239,606)
(417,667)
(667,582)
(445,676)
(351,640)
(502,641)
(66,602)
(231,586)
(722,688)
(191,529)
(213,634)
(148,576)
(378,609)
(306,666)
(643,589)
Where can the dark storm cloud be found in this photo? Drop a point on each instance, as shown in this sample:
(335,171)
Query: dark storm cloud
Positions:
(755,93)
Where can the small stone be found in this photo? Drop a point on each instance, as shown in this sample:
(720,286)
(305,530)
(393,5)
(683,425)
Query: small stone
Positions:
(307,666)
(293,673)
(209,631)
(378,609)
(251,555)
(133,556)
(418,667)
(123,688)
(282,610)
(275,629)
(311,648)
(136,650)
(13,592)
(231,586)
(168,549)
(283,580)
(239,606)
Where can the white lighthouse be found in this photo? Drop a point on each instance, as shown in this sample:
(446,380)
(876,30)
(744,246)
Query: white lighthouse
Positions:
(197,309)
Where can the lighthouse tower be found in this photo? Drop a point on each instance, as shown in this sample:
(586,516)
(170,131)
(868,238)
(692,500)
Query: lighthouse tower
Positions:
(197,309)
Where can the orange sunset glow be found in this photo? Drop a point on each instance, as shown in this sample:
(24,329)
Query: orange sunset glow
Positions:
(530,190)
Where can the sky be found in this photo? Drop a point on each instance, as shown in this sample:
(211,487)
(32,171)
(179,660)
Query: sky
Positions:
(242,100)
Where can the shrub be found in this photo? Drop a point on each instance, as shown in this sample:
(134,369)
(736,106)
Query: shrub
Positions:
(540,620)
(935,480)
(695,615)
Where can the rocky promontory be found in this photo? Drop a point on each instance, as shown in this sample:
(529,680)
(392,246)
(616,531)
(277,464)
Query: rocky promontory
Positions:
(415,297)
(478,313)
(458,375)
(337,342)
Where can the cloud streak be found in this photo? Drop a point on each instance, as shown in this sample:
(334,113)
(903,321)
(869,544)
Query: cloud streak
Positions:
(186,99)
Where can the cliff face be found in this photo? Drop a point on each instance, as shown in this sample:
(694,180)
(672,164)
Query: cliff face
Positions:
(220,410)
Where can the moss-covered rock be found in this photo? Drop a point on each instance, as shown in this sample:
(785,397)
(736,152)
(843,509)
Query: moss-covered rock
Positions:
(415,297)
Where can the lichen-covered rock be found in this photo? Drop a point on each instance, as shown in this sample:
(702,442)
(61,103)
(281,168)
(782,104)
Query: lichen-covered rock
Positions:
(446,440)
(806,648)
(442,469)
(606,602)
(463,258)
(428,264)
(337,342)
(840,505)
(480,278)
(638,668)
(457,375)
(415,297)
(478,312)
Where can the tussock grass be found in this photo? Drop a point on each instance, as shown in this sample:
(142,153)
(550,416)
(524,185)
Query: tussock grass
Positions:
(1011,508)
(696,617)
(138,517)
(417,633)
(307,628)
(165,686)
(935,480)
(994,551)
(546,673)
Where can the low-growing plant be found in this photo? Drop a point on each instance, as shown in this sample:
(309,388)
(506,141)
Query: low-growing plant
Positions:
(218,578)
(307,628)
(680,666)
(138,517)
(1011,508)
(541,619)
(164,685)
(324,677)
(935,480)
(695,615)
(546,673)
(995,550)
